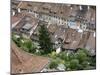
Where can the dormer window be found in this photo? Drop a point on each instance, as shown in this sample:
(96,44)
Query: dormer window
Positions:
(54,12)
(50,11)
(61,12)
(20,70)
(67,42)
(29,5)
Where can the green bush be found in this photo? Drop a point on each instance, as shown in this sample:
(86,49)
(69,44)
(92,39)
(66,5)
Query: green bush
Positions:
(53,54)
(81,56)
(67,65)
(85,63)
(84,50)
(25,44)
(63,55)
(16,40)
(53,64)
(74,64)
(29,46)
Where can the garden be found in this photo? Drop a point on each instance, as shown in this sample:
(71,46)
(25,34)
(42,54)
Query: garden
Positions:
(63,61)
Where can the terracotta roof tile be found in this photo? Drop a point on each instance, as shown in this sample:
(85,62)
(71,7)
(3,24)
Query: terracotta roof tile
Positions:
(23,62)
(14,19)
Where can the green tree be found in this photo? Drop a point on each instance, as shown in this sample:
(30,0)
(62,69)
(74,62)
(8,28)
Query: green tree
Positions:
(44,40)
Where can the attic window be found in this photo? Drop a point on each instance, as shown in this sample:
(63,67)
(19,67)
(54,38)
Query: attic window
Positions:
(45,8)
(61,12)
(14,3)
(20,70)
(50,11)
(67,42)
(29,5)
(54,12)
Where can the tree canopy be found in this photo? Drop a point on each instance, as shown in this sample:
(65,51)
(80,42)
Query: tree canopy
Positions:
(44,40)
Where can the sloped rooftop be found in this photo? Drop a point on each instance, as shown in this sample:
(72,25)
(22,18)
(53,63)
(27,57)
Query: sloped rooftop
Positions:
(23,62)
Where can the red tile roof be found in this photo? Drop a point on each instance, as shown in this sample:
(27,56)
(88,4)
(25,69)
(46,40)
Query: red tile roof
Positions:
(14,19)
(23,62)
(72,39)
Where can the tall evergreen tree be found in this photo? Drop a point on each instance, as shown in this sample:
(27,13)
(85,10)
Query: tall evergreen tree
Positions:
(44,40)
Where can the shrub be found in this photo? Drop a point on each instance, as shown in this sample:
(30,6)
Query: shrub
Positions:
(85,63)
(81,56)
(16,40)
(53,54)
(63,56)
(74,64)
(29,46)
(67,65)
(53,64)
